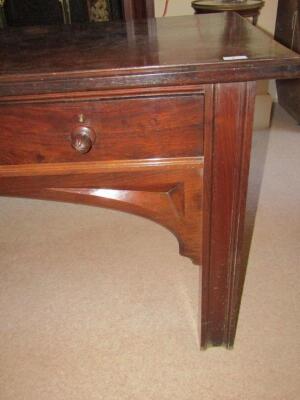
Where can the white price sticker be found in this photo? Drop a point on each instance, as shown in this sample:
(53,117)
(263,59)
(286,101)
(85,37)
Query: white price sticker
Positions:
(234,58)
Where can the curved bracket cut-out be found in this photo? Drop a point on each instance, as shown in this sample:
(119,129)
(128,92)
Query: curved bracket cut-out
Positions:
(172,198)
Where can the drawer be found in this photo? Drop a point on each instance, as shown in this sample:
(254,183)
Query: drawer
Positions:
(116,129)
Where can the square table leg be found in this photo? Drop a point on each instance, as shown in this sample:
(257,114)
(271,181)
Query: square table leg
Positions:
(226,169)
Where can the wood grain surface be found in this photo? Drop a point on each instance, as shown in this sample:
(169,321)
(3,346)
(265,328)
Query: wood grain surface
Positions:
(153,52)
(125,128)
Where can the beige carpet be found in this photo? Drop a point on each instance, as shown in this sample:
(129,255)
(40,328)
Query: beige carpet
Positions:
(97,304)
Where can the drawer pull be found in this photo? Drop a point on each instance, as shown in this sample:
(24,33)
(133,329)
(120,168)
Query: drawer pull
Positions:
(82,139)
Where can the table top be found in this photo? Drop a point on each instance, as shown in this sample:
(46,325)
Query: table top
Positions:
(140,53)
(221,5)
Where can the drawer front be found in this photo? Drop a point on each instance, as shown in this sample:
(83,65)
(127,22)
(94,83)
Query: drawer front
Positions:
(118,129)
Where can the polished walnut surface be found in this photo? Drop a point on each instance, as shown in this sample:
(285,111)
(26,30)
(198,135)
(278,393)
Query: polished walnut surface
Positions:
(90,56)
(147,118)
(127,128)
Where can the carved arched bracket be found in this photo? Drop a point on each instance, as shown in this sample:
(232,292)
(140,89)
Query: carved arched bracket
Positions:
(171,197)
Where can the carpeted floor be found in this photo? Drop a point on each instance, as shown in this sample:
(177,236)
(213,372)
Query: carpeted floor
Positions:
(97,304)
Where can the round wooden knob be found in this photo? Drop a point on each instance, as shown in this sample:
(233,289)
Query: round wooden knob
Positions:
(82,139)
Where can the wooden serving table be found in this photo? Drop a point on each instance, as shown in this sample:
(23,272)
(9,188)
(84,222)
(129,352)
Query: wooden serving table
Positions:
(144,117)
(246,8)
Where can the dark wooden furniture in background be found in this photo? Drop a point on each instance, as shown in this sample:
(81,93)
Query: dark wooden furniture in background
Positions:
(249,8)
(2,15)
(164,132)
(44,12)
(288,33)
(136,9)
(55,12)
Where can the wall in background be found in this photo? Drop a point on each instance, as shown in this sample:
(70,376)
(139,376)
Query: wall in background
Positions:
(176,7)
(267,19)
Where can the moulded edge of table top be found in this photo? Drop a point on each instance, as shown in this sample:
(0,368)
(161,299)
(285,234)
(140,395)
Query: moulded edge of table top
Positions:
(157,54)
